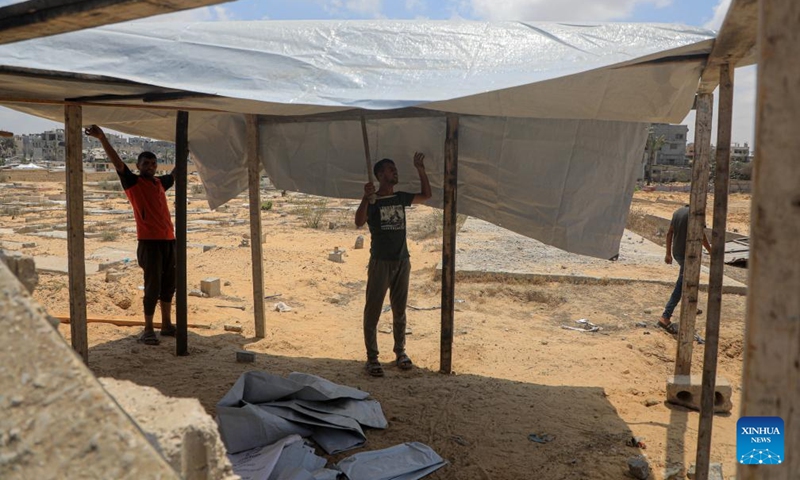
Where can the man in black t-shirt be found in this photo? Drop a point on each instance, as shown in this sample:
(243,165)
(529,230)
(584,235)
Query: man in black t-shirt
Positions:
(676,248)
(389,267)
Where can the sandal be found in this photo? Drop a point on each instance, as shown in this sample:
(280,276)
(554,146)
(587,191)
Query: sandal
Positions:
(671,328)
(403,362)
(148,337)
(374,368)
(168,330)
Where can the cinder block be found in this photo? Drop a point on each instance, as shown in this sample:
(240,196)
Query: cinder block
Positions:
(243,356)
(714,471)
(211,287)
(685,390)
(336,255)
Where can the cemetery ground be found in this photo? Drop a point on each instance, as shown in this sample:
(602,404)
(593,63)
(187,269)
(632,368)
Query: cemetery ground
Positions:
(516,371)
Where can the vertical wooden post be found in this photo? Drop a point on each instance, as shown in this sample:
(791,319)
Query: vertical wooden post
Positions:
(694,234)
(254,183)
(181,159)
(73,119)
(449,242)
(771,375)
(721,182)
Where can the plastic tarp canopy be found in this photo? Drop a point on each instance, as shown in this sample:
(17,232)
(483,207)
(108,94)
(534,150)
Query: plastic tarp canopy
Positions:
(548,109)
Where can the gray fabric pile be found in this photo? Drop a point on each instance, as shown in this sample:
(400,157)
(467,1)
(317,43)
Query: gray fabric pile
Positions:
(263,417)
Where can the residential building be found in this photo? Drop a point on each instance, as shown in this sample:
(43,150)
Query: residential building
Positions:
(740,153)
(673,150)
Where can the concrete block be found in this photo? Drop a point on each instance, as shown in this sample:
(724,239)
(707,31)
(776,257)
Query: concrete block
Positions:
(714,471)
(685,390)
(359,242)
(22,267)
(336,255)
(243,356)
(211,287)
(233,328)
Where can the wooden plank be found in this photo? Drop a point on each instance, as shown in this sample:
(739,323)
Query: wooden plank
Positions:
(126,323)
(256,249)
(75,247)
(694,234)
(735,43)
(721,184)
(42,18)
(771,375)
(449,243)
(181,159)
(131,106)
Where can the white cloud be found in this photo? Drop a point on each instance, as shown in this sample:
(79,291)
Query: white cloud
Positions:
(412,5)
(744,108)
(548,10)
(719,15)
(369,8)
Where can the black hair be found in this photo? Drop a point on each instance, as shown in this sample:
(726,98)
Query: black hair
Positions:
(379,166)
(143,155)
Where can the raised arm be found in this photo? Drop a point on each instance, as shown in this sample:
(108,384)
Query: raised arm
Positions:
(97,132)
(419,164)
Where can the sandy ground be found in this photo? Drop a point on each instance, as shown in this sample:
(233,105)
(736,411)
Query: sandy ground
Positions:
(663,204)
(516,371)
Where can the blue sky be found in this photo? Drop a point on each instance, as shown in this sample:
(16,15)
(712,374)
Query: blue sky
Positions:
(704,13)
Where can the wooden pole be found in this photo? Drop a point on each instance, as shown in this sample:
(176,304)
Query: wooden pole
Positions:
(256,249)
(449,242)
(694,234)
(73,119)
(771,376)
(721,182)
(181,159)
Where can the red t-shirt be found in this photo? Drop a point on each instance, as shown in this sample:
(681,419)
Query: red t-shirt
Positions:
(148,198)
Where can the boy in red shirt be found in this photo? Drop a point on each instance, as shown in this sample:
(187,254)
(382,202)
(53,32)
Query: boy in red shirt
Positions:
(156,251)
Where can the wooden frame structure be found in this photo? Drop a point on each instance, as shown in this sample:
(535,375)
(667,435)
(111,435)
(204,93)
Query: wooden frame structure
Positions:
(772,358)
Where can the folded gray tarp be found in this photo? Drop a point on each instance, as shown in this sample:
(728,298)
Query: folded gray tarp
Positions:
(409,461)
(261,409)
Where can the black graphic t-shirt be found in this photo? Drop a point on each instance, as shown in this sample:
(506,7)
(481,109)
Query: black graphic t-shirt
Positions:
(387,225)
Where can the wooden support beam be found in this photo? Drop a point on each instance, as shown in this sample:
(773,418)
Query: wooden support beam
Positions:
(122,322)
(130,106)
(771,375)
(735,43)
(181,160)
(75,247)
(721,183)
(42,18)
(694,234)
(256,250)
(449,242)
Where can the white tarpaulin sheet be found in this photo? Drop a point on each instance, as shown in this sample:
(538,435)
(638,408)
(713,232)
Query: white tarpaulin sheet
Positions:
(604,80)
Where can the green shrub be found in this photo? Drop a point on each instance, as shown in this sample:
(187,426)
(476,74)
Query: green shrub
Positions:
(266,205)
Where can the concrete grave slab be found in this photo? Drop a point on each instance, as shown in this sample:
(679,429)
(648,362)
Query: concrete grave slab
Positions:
(484,248)
(60,265)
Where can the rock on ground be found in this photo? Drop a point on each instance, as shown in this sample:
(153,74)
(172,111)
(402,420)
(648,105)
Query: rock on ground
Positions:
(178,427)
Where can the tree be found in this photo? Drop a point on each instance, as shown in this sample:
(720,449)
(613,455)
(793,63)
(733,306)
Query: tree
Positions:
(654,144)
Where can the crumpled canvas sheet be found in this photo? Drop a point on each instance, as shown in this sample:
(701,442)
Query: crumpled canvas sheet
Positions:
(291,459)
(287,459)
(408,461)
(261,409)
